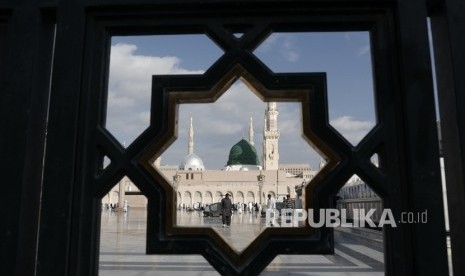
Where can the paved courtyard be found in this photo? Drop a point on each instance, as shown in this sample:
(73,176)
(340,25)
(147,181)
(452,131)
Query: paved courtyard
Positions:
(123,245)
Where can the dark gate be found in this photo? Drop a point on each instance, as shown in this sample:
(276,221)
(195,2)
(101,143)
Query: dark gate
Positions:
(54,59)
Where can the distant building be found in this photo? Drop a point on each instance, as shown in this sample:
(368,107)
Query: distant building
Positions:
(243,177)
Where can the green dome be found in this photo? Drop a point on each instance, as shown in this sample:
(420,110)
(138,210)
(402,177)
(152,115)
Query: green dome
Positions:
(243,153)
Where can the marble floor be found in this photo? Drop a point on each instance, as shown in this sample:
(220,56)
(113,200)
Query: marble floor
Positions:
(123,245)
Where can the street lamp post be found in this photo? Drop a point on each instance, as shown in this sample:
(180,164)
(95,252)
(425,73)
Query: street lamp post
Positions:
(261,180)
(176,180)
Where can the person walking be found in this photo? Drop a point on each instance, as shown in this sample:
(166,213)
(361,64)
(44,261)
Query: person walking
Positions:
(289,206)
(271,206)
(226,206)
(239,208)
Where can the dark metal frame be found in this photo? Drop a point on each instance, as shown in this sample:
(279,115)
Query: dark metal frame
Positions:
(52,216)
(447,24)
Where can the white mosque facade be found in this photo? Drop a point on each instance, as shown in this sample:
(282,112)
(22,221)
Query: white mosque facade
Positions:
(244,177)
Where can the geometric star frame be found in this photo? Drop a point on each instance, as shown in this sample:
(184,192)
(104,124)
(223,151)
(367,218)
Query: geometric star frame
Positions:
(306,88)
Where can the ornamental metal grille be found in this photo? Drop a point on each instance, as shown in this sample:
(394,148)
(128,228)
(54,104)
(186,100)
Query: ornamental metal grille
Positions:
(61,72)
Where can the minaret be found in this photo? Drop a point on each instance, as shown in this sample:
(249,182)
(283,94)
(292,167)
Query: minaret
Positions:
(251,131)
(271,138)
(190,149)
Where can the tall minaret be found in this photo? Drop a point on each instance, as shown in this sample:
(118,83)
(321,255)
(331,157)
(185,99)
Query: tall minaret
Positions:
(271,138)
(251,131)
(190,149)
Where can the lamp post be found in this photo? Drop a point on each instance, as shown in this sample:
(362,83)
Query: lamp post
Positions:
(261,180)
(121,194)
(176,180)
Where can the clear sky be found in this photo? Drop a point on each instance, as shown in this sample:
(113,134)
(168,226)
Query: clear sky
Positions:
(344,56)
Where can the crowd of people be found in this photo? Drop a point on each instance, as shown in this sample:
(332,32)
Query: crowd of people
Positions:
(227,208)
(239,207)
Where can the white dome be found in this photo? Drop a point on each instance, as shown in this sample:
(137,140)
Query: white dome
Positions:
(192,163)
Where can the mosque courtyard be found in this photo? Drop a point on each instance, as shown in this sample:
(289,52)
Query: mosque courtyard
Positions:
(122,247)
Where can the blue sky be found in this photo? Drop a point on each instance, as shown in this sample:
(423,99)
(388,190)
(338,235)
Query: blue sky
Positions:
(344,56)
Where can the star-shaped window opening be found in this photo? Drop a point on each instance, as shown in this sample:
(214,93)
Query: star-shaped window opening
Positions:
(306,88)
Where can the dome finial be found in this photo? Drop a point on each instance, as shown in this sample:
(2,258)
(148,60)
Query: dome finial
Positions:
(190,148)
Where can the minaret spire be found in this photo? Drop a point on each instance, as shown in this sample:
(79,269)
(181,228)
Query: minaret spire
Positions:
(190,149)
(251,131)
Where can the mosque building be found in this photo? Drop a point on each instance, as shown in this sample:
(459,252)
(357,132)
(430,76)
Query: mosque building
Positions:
(244,178)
